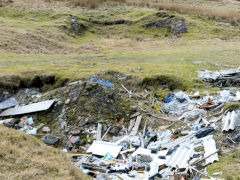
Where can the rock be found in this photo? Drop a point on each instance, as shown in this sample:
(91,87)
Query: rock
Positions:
(10,122)
(77,27)
(63,126)
(46,129)
(115,130)
(50,140)
(133,108)
(75,99)
(74,139)
(179,27)
(67,144)
(67,101)
(59,103)
(76,132)
(143,158)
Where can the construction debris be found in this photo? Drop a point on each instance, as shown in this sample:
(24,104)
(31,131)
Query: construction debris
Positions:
(209,145)
(130,147)
(35,107)
(136,126)
(229,121)
(8,103)
(222,78)
(101,148)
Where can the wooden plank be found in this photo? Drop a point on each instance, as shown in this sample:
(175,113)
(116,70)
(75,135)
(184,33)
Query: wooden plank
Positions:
(136,126)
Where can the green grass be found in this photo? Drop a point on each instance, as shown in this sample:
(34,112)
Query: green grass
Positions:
(179,60)
(229,166)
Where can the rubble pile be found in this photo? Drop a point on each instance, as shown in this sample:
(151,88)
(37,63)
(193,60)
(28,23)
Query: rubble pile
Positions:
(108,136)
(157,154)
(222,78)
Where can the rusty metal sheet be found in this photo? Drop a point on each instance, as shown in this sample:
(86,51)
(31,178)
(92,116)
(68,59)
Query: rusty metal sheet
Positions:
(31,108)
(10,102)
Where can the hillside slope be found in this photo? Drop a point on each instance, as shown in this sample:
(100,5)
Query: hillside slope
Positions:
(25,157)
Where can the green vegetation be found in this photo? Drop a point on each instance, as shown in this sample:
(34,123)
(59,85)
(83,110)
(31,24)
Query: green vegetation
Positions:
(232,106)
(129,48)
(229,166)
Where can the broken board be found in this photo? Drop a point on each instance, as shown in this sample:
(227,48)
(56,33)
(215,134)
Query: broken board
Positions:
(35,107)
(101,148)
(8,103)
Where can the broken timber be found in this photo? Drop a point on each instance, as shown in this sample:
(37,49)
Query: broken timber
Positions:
(136,126)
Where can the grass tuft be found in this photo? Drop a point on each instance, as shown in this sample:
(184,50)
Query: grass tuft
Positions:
(232,106)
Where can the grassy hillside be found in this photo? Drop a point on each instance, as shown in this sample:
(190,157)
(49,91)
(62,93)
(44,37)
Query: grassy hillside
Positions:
(37,39)
(25,157)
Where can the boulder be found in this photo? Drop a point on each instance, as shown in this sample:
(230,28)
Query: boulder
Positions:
(50,140)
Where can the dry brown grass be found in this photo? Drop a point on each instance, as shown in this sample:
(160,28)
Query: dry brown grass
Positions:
(1,3)
(25,157)
(231,16)
(95,3)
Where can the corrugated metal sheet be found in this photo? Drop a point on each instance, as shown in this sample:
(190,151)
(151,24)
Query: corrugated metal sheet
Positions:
(35,107)
(209,145)
(181,157)
(175,142)
(229,121)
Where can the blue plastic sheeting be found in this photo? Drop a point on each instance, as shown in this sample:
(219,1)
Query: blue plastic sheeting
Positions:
(167,100)
(102,81)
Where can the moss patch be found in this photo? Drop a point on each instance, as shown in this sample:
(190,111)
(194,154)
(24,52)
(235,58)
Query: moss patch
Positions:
(232,106)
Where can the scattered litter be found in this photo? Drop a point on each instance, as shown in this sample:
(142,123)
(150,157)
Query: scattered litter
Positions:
(102,81)
(222,78)
(127,151)
(235,139)
(217,173)
(10,122)
(204,131)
